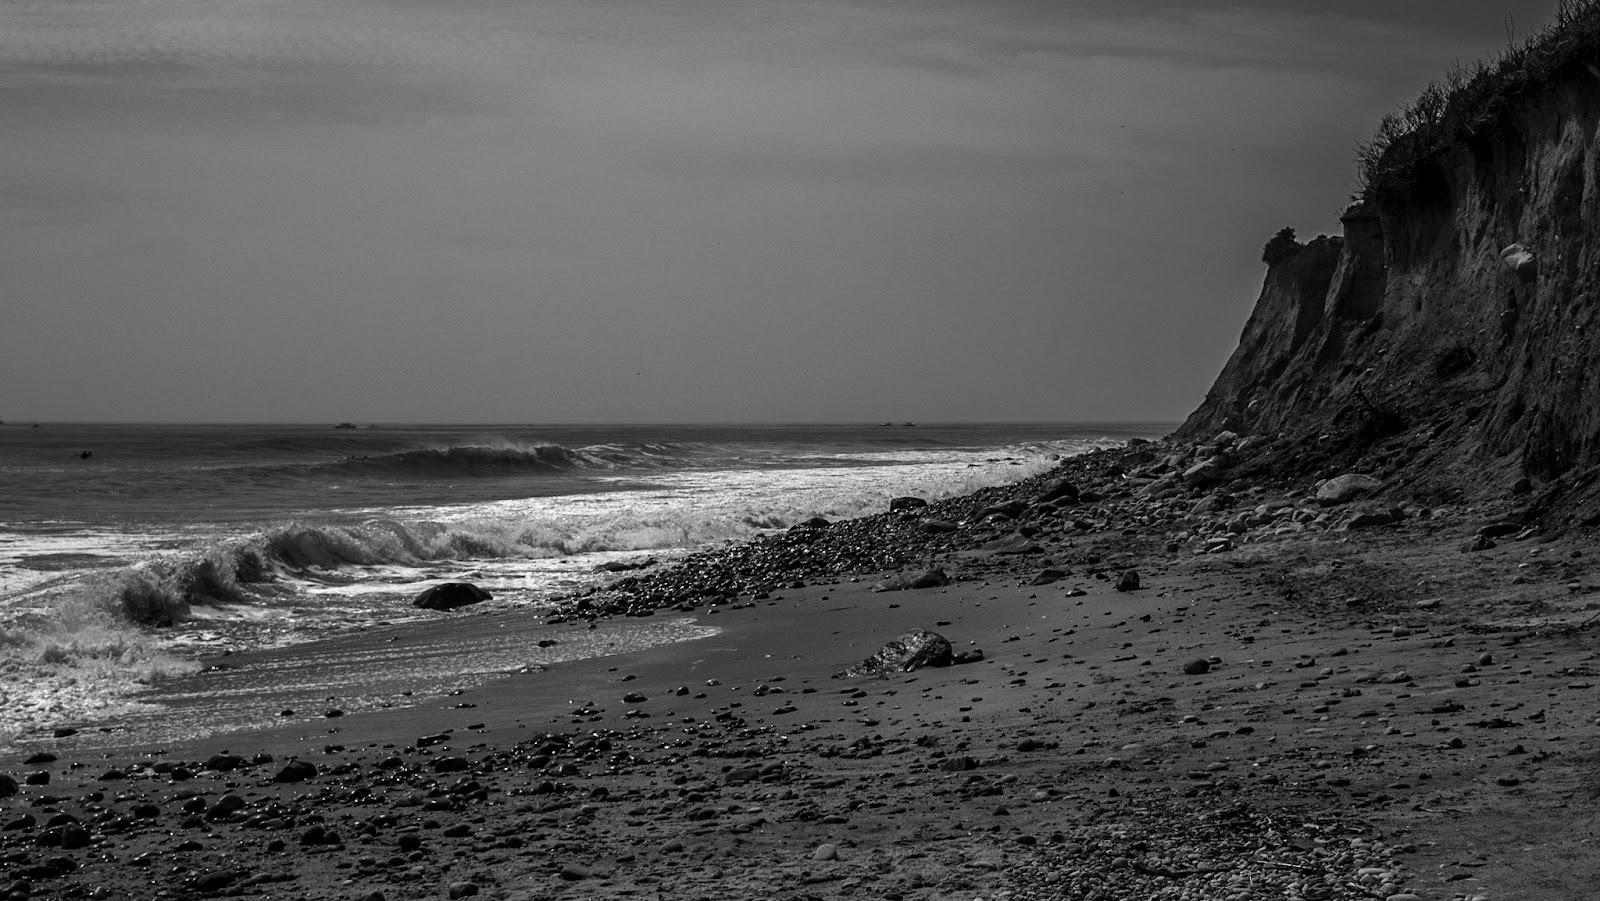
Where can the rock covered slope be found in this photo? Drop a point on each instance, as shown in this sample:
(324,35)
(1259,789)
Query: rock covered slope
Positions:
(1447,341)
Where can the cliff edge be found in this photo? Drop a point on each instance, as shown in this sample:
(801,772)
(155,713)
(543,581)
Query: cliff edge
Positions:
(1447,342)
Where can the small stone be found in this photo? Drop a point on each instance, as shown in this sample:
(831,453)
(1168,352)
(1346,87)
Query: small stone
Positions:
(215,882)
(1015,544)
(296,771)
(1047,576)
(226,805)
(316,835)
(1346,488)
(1370,520)
(1522,261)
(573,872)
(1128,581)
(463,889)
(224,763)
(1197,667)
(634,697)
(73,837)
(826,851)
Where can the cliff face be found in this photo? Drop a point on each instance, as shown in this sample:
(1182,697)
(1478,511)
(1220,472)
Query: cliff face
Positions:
(1415,347)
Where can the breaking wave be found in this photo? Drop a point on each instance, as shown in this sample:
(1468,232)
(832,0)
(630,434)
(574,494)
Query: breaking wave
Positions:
(474,461)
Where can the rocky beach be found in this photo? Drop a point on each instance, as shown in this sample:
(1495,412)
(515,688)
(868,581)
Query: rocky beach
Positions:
(1166,679)
(1332,638)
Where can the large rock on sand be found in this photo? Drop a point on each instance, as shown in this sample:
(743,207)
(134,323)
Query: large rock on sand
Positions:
(911,651)
(450,595)
(1346,488)
(932,578)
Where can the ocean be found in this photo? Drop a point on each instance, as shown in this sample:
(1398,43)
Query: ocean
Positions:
(130,555)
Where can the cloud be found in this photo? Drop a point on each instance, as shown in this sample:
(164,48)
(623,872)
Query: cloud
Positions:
(188,60)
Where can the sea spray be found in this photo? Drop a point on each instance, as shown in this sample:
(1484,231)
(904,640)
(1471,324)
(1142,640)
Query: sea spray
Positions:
(79,663)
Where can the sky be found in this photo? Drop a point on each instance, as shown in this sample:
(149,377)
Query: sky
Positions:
(547,211)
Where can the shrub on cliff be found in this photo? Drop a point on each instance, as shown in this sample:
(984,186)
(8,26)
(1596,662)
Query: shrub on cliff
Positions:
(1470,98)
(1281,247)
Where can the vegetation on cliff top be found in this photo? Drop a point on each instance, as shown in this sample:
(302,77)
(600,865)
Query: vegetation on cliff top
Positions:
(1471,98)
(1282,246)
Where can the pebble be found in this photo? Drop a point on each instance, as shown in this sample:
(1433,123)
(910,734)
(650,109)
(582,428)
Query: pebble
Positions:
(826,851)
(296,771)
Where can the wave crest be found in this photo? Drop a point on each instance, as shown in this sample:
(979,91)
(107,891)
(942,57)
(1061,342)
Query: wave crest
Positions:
(470,460)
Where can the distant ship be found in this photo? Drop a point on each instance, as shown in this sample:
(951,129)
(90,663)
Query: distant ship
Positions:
(345,425)
(908,425)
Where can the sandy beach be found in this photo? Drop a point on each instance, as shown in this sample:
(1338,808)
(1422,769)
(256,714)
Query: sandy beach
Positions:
(1283,708)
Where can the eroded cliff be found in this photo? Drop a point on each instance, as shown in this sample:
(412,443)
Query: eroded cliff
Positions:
(1417,347)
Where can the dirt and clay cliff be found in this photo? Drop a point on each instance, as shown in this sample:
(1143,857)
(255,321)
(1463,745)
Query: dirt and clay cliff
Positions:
(1447,341)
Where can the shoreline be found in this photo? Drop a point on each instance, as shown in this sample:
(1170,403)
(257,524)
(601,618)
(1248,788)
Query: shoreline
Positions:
(81,640)
(1354,733)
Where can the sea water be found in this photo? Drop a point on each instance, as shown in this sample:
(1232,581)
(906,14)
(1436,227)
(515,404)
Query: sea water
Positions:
(129,554)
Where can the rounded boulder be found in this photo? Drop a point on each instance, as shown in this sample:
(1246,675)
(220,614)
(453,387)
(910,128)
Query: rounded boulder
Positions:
(450,595)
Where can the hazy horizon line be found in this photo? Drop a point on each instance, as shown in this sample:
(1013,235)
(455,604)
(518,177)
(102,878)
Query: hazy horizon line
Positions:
(30,423)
